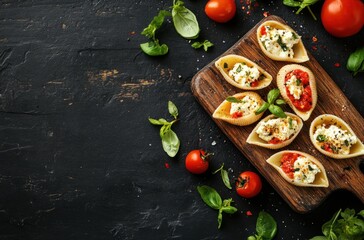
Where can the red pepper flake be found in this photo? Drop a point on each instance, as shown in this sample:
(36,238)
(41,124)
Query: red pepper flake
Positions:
(132,33)
(314,48)
(166,165)
(249,213)
(337,64)
(266,14)
(314,39)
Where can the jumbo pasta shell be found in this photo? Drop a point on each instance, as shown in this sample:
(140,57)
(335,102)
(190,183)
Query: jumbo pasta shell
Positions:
(321,179)
(226,63)
(254,138)
(282,88)
(299,50)
(356,149)
(222,112)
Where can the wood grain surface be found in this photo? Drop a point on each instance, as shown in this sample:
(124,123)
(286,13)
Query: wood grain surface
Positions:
(210,89)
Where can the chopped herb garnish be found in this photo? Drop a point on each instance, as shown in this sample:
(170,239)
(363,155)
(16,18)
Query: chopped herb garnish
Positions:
(234,100)
(226,65)
(283,45)
(296,169)
(298,82)
(321,138)
(238,69)
(346,142)
(290,123)
(310,168)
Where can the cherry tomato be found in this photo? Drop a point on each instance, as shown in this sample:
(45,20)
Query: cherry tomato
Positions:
(248,184)
(197,161)
(220,10)
(342,18)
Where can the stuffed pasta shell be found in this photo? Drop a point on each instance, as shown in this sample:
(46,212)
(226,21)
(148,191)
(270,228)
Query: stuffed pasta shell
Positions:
(280,42)
(239,109)
(333,137)
(242,72)
(299,168)
(297,85)
(274,132)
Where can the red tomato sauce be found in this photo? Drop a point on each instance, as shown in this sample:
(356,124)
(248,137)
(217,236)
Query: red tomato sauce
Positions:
(275,140)
(287,162)
(305,101)
(237,114)
(263,31)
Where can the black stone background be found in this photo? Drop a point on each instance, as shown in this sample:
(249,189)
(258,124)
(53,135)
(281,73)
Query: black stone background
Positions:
(78,157)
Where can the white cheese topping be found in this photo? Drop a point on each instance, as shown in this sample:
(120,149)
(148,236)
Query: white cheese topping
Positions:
(281,128)
(247,105)
(295,87)
(340,140)
(243,74)
(279,42)
(304,170)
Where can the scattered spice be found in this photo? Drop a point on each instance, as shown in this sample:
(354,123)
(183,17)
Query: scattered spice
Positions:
(314,48)
(166,165)
(249,213)
(266,14)
(337,64)
(314,39)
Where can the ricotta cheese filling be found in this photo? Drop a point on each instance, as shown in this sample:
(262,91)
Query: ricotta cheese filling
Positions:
(243,74)
(294,87)
(279,42)
(304,170)
(339,140)
(247,105)
(279,128)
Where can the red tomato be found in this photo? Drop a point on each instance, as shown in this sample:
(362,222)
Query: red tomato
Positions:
(196,161)
(342,18)
(220,10)
(248,184)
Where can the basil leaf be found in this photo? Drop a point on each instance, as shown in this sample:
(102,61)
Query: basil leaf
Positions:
(152,48)
(277,111)
(160,121)
(292,3)
(266,226)
(262,108)
(172,109)
(210,196)
(156,23)
(229,209)
(184,21)
(280,102)
(361,213)
(219,218)
(273,95)
(319,238)
(355,61)
(170,142)
(205,44)
(327,228)
(225,178)
(165,128)
(233,99)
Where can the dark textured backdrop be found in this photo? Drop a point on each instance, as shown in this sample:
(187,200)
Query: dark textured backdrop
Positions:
(78,157)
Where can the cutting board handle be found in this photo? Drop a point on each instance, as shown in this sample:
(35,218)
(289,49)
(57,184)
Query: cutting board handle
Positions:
(352,179)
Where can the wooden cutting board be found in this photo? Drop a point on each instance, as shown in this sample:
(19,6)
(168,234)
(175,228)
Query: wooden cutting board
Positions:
(210,89)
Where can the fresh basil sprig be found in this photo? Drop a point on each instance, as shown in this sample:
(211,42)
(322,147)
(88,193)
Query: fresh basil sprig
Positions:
(212,198)
(274,109)
(152,47)
(185,23)
(301,4)
(266,227)
(343,225)
(355,61)
(224,176)
(170,141)
(205,44)
(184,20)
